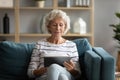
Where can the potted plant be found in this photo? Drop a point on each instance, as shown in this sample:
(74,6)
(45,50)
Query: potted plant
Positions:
(40,3)
(116,29)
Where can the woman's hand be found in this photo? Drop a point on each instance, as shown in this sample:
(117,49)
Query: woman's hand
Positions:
(40,71)
(69,65)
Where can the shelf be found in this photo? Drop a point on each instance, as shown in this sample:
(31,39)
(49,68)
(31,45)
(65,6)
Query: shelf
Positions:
(7,8)
(78,35)
(71,8)
(46,35)
(76,8)
(35,8)
(7,35)
(34,35)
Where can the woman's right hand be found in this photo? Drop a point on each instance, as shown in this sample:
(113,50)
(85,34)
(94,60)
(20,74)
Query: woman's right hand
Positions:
(69,65)
(39,72)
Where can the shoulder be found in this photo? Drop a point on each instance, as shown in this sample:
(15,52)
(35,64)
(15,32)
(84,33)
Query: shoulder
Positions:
(69,42)
(40,43)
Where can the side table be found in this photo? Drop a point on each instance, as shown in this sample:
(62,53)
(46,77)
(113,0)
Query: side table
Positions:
(117,75)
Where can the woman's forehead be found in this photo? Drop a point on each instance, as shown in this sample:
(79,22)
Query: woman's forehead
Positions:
(58,19)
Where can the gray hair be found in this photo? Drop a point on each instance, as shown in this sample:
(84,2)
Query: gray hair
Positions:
(53,14)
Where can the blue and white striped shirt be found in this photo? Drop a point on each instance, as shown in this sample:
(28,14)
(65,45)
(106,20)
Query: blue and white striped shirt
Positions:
(44,48)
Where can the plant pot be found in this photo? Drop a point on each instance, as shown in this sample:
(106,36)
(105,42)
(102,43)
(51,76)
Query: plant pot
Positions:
(40,4)
(118,61)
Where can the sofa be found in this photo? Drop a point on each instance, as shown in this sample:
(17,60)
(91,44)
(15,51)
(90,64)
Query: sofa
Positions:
(95,62)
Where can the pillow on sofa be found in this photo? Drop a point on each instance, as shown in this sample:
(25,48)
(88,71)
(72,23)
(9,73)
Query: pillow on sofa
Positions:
(14,60)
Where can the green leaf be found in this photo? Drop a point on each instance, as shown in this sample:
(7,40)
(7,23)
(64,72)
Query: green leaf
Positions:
(119,42)
(116,29)
(117,15)
(117,37)
(114,26)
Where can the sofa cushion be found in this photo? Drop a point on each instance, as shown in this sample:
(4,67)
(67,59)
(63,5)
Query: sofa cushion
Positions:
(82,46)
(14,60)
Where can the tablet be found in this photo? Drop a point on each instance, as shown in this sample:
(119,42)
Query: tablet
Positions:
(58,60)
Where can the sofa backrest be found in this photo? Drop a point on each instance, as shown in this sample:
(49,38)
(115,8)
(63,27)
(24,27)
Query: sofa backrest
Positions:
(82,46)
(15,57)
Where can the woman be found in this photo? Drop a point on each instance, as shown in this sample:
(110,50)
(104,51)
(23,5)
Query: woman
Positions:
(57,23)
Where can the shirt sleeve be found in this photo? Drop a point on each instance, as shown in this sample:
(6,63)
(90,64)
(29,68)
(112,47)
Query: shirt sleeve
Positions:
(76,58)
(35,61)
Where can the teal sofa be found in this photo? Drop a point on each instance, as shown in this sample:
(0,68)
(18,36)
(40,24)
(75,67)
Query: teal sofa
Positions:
(96,63)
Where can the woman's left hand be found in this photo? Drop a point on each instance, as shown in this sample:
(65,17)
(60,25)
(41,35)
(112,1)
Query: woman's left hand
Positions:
(69,65)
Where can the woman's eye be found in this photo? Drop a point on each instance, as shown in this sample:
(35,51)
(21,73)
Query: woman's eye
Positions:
(54,25)
(61,24)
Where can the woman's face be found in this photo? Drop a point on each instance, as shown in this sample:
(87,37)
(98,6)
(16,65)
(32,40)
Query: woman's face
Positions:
(57,27)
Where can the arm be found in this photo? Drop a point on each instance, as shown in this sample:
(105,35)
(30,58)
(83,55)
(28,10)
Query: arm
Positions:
(70,66)
(73,66)
(76,58)
(35,66)
(108,64)
(92,63)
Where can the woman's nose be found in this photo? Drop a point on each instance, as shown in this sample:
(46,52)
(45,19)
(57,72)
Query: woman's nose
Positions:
(57,27)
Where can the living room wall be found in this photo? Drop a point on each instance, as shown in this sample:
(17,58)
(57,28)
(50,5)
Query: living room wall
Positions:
(104,16)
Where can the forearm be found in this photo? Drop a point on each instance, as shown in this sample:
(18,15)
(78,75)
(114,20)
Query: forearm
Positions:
(75,74)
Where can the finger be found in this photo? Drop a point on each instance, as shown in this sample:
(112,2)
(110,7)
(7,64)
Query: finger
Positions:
(67,65)
(71,60)
(72,63)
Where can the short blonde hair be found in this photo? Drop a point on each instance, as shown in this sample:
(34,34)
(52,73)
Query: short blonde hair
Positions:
(54,14)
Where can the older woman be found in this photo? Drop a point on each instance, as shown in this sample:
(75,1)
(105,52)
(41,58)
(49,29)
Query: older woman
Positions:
(57,24)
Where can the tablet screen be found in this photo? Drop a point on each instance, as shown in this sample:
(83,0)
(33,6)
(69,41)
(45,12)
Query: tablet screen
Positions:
(58,60)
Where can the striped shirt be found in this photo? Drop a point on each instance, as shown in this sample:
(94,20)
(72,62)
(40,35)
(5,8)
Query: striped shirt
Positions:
(44,48)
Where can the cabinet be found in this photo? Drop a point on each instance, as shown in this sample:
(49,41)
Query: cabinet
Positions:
(25,19)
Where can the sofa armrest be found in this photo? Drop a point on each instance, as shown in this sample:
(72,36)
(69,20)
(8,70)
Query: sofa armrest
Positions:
(107,64)
(92,65)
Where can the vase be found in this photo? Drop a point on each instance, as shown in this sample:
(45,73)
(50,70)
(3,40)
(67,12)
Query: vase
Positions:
(79,26)
(6,24)
(42,25)
(67,3)
(40,4)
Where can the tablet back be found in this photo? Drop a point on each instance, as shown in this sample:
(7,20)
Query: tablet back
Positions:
(58,60)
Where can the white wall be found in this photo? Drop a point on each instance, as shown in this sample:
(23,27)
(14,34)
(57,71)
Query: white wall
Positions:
(104,16)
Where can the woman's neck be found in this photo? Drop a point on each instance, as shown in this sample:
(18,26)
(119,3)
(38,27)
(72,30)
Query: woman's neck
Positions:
(56,40)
